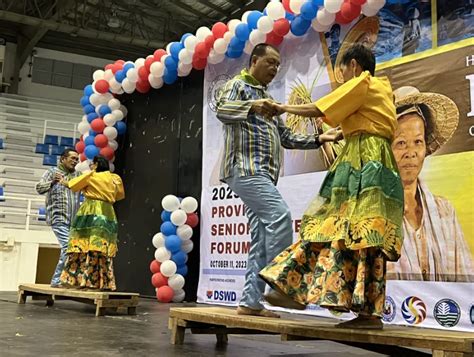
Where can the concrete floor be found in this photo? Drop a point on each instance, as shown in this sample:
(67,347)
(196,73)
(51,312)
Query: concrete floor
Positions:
(71,329)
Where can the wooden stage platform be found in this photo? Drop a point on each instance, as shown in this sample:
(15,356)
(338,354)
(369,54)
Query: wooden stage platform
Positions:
(224,321)
(101,299)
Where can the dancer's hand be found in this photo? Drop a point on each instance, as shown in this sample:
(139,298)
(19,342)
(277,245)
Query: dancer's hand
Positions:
(264,107)
(278,108)
(334,134)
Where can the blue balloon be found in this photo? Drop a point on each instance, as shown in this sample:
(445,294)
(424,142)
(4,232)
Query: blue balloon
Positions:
(89,141)
(104,110)
(88,90)
(242,32)
(175,47)
(233,54)
(318,3)
(127,67)
(120,75)
(179,258)
(171,64)
(185,36)
(299,26)
(168,228)
(308,11)
(89,108)
(236,45)
(170,76)
(253,18)
(173,243)
(182,270)
(165,216)
(91,151)
(91,117)
(92,133)
(289,17)
(121,127)
(85,101)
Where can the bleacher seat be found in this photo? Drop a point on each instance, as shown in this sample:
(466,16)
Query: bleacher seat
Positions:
(2,194)
(51,139)
(42,214)
(56,150)
(50,160)
(42,149)
(65,141)
(1,143)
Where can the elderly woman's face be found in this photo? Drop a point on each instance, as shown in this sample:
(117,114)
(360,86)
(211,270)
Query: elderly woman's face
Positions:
(409,146)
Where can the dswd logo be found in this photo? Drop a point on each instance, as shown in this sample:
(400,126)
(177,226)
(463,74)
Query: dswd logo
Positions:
(413,310)
(389,309)
(209,294)
(447,312)
(221,295)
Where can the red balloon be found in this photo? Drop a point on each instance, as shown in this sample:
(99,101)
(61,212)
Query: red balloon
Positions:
(143,73)
(155,267)
(209,41)
(358,2)
(201,50)
(158,280)
(219,29)
(199,63)
(349,10)
(82,157)
(148,63)
(274,39)
(192,220)
(80,146)
(107,152)
(143,86)
(281,27)
(101,141)
(98,125)
(102,86)
(121,62)
(158,54)
(164,294)
(341,19)
(115,68)
(109,66)
(286,5)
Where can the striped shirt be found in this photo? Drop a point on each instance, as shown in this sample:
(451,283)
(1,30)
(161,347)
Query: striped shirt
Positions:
(61,203)
(252,143)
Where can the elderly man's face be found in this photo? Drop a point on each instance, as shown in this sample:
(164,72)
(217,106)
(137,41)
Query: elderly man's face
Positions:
(409,146)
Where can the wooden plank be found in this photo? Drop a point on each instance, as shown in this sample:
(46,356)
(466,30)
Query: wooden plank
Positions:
(46,289)
(177,332)
(323,329)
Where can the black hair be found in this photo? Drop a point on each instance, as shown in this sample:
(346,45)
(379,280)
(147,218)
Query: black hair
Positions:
(65,153)
(102,164)
(363,55)
(261,50)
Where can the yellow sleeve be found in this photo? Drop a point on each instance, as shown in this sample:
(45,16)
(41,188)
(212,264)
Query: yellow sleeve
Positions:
(78,183)
(120,191)
(345,100)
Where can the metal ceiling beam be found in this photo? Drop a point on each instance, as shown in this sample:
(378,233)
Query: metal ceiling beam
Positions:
(214,7)
(191,10)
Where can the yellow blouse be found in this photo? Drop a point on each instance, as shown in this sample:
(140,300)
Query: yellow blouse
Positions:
(103,186)
(363,104)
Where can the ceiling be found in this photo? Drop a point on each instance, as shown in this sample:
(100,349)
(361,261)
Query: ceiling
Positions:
(126,29)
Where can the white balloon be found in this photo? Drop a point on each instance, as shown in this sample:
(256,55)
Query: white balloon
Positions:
(257,37)
(190,43)
(170,203)
(124,110)
(109,120)
(215,57)
(232,24)
(97,108)
(114,104)
(318,27)
(376,4)
(163,58)
(179,217)
(227,37)
(220,46)
(245,16)
(183,71)
(113,144)
(140,62)
(114,85)
(132,75)
(187,246)
(84,118)
(168,268)
(94,99)
(155,82)
(108,75)
(85,135)
(178,296)
(117,113)
(83,127)
(333,6)
(128,86)
(176,282)
(275,10)
(162,254)
(248,48)
(158,240)
(185,56)
(202,33)
(157,69)
(324,17)
(265,24)
(111,167)
(184,232)
(98,74)
(295,5)
(189,204)
(168,48)
(110,132)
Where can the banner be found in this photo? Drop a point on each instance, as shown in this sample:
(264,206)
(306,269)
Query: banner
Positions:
(432,284)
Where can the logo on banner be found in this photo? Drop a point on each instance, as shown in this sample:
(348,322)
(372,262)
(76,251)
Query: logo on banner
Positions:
(215,90)
(389,309)
(447,312)
(221,295)
(413,310)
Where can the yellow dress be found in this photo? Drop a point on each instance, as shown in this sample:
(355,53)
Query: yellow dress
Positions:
(354,225)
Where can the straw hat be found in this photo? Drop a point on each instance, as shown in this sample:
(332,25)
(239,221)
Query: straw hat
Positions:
(366,32)
(440,113)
